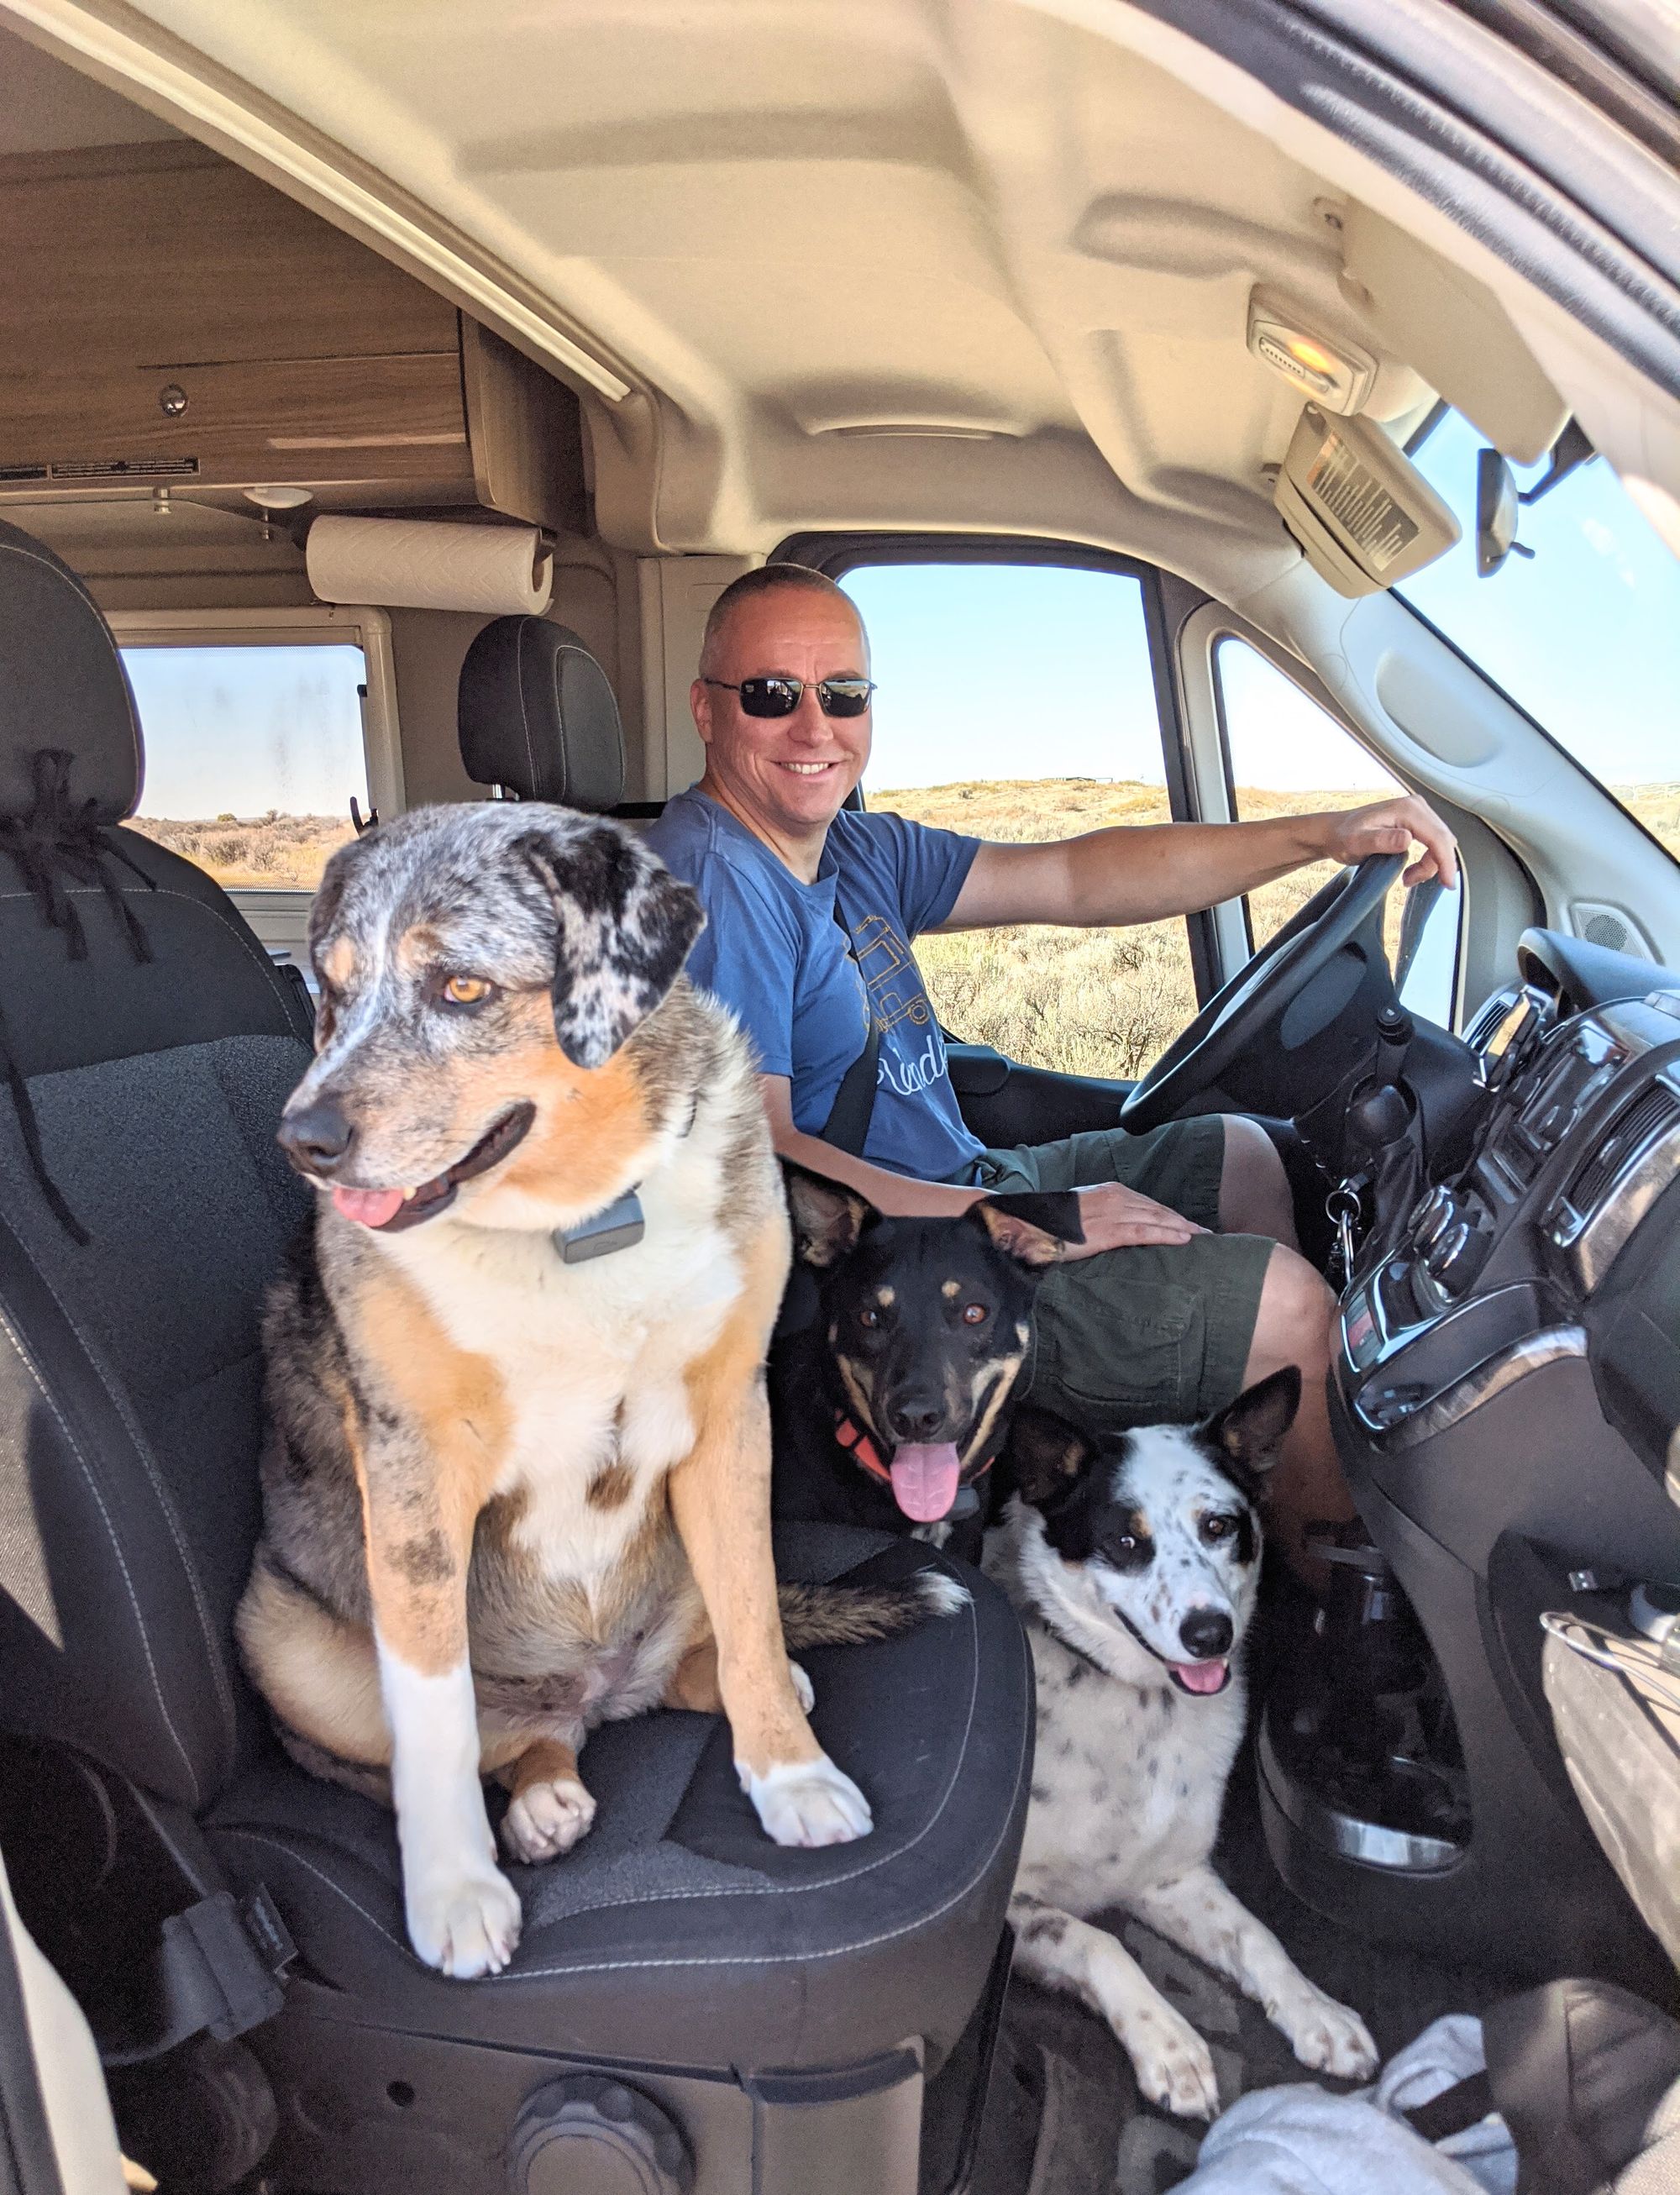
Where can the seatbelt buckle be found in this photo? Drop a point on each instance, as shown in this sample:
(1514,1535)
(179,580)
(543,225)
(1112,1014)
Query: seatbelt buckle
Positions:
(222,1963)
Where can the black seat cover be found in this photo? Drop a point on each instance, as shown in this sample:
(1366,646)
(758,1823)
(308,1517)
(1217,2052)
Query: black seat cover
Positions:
(677,1928)
(128,1366)
(538,718)
(676,1935)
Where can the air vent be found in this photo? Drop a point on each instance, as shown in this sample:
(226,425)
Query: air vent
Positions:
(1647,1116)
(125,468)
(22,472)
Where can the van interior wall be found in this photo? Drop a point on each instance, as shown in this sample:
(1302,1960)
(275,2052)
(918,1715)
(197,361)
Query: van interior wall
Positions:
(176,564)
(595,593)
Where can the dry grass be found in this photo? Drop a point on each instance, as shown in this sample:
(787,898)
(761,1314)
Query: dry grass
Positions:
(1107,1001)
(1088,1001)
(282,853)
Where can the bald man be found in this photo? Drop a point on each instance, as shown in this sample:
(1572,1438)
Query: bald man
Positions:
(1189,1284)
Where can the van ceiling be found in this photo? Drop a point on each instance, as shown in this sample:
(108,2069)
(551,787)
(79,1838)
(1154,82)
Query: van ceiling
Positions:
(902,263)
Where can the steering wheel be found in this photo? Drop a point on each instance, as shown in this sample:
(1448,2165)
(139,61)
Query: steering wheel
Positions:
(1252,1001)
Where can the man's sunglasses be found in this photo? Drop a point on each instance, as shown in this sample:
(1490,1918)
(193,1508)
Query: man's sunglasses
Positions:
(780,697)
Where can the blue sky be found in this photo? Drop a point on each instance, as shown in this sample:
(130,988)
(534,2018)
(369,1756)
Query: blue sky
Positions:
(1586,637)
(1041,671)
(246,729)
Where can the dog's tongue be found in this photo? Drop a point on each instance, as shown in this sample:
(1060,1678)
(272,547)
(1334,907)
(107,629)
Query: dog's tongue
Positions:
(1200,1676)
(925,1480)
(372,1206)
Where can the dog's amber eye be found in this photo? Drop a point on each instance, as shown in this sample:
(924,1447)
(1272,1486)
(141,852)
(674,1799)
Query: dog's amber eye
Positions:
(973,1314)
(1219,1528)
(1126,1542)
(467,990)
(867,1318)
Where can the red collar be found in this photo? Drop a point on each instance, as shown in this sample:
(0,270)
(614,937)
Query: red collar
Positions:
(863,1451)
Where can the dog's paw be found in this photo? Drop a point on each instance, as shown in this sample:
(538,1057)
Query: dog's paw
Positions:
(547,1819)
(464,1921)
(1328,2036)
(808,1802)
(1174,2066)
(806,1691)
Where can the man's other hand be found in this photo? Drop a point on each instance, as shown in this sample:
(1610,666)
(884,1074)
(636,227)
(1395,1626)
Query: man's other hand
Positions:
(1115,1218)
(1390,827)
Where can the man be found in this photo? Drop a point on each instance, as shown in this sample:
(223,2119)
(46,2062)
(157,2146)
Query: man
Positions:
(1189,1284)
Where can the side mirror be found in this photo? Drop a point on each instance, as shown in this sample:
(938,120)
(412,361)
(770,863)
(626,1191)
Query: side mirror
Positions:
(1426,958)
(1496,511)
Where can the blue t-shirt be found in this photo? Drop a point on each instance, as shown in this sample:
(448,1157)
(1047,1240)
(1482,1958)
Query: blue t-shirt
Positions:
(772,951)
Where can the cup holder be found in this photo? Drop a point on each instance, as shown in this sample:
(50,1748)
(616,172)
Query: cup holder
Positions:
(1357,1743)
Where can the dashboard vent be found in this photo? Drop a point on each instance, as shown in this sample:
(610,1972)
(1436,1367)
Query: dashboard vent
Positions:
(1647,1116)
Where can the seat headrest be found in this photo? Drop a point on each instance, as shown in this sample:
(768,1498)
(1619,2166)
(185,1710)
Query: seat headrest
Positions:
(62,684)
(538,716)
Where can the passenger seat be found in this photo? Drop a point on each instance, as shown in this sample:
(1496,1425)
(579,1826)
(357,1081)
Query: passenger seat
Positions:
(691,2007)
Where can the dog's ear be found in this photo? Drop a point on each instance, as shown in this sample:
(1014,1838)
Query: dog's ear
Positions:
(1032,1226)
(1245,1433)
(623,928)
(827,1217)
(1043,1454)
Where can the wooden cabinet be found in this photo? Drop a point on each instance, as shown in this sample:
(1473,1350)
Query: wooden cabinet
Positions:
(168,319)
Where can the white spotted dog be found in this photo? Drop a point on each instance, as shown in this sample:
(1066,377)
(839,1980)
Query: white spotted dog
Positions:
(1134,1564)
(517,1475)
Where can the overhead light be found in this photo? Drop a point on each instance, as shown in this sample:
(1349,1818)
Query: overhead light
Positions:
(1336,374)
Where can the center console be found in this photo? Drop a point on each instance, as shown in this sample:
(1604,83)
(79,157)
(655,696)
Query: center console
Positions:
(1494,1482)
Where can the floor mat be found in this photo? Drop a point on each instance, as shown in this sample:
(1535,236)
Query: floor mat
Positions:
(1064,2115)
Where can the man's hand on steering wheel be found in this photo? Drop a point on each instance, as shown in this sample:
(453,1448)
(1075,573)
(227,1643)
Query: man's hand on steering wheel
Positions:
(1390,827)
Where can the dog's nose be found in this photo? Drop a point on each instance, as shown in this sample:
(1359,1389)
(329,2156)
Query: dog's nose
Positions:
(914,1418)
(318,1137)
(1206,1633)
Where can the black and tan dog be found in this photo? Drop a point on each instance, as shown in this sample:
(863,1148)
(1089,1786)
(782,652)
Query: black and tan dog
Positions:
(513,1488)
(891,1405)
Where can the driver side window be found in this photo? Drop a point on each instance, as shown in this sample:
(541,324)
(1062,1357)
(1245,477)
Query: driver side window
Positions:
(1288,757)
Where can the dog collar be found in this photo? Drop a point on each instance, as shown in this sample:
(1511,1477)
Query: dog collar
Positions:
(617,1226)
(620,1225)
(861,1449)
(863,1452)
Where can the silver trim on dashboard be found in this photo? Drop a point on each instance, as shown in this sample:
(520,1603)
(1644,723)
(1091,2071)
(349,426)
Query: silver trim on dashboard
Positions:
(1374,1844)
(1495,1376)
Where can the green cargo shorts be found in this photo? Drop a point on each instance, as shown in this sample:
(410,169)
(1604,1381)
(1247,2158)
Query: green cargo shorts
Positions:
(1159,1333)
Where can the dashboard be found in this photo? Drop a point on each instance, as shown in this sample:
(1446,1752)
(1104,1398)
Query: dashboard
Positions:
(1558,1236)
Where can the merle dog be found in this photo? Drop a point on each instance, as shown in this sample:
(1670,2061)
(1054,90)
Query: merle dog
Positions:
(891,1403)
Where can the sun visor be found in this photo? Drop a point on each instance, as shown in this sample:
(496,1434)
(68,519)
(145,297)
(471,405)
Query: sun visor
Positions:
(1362,512)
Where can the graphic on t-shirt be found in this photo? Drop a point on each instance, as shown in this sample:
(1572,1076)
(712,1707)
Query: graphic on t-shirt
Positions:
(890,972)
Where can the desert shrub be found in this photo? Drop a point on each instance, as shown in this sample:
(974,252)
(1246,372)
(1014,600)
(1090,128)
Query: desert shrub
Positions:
(1109,1001)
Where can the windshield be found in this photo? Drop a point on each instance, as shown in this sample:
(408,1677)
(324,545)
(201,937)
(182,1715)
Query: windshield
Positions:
(1584,636)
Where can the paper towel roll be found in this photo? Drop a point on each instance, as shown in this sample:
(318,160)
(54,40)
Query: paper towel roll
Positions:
(429,564)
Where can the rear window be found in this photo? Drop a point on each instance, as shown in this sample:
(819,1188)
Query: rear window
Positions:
(253,754)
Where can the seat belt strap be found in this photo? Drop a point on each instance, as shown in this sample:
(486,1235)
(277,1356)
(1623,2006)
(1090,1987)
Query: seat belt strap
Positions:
(847,1126)
(217,1969)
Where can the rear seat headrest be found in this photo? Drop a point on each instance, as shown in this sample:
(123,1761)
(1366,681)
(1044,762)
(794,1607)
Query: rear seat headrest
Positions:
(538,716)
(62,685)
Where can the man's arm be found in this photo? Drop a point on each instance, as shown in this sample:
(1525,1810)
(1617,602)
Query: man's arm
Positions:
(1139,872)
(1113,1217)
